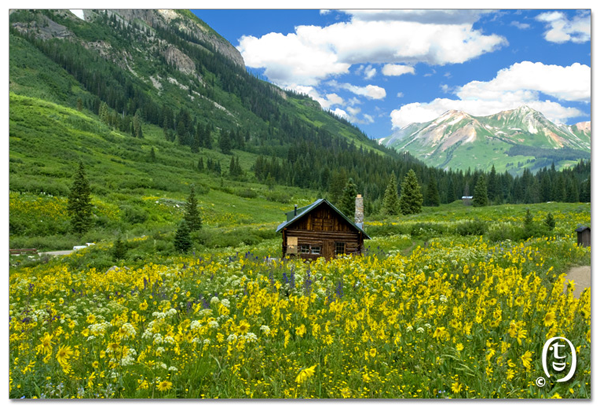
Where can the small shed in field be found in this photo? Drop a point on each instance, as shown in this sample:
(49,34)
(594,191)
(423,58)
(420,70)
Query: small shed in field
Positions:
(584,236)
(320,229)
(467,200)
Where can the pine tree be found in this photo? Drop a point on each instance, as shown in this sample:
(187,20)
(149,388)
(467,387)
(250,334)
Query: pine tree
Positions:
(152,155)
(586,191)
(550,222)
(391,201)
(201,164)
(348,200)
(432,194)
(207,137)
(183,242)
(336,185)
(192,215)
(411,198)
(225,142)
(136,126)
(480,197)
(492,185)
(528,224)
(80,203)
(119,249)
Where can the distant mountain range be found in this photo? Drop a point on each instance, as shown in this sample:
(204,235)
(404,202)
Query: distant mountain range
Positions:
(510,140)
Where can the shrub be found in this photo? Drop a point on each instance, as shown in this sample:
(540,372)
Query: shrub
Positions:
(278,196)
(427,228)
(246,193)
(473,227)
(386,230)
(133,215)
(504,233)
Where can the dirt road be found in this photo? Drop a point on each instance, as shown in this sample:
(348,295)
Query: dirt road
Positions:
(581,275)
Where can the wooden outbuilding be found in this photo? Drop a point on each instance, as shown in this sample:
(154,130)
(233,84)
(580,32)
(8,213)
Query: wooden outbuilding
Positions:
(467,200)
(320,229)
(584,236)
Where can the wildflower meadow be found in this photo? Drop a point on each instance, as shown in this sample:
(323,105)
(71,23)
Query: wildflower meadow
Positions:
(459,318)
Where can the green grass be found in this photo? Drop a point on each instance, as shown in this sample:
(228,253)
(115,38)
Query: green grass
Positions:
(48,140)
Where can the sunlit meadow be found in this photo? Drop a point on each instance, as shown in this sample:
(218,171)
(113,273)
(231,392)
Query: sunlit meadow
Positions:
(459,318)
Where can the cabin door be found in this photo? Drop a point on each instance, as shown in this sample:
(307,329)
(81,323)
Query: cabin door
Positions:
(328,249)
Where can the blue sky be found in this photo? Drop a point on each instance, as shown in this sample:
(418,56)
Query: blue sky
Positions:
(384,69)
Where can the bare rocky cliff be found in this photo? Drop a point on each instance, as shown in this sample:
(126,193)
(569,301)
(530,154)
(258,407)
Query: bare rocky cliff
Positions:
(163,18)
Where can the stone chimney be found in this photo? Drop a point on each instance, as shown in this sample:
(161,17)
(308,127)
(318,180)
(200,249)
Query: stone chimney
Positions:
(359,211)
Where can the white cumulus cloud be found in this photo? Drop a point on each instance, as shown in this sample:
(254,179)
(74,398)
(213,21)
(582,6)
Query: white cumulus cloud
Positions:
(326,101)
(560,29)
(290,60)
(523,83)
(369,91)
(370,72)
(397,70)
(341,113)
(570,83)
(313,53)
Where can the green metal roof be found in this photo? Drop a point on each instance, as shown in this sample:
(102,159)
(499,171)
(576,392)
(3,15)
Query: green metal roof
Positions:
(301,212)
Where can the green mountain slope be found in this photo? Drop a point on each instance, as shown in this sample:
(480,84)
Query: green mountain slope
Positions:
(159,62)
(510,140)
(152,102)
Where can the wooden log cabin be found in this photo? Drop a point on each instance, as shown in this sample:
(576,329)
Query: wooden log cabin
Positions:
(320,229)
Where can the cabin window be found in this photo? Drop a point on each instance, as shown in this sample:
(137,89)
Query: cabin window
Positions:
(340,248)
(316,250)
(304,249)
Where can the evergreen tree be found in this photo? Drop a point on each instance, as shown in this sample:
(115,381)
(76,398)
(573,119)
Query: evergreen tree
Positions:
(136,126)
(80,203)
(270,181)
(348,200)
(550,222)
(545,188)
(201,164)
(411,198)
(192,215)
(207,137)
(586,191)
(480,197)
(559,190)
(336,185)
(572,190)
(232,169)
(450,194)
(492,186)
(183,242)
(391,201)
(152,155)
(225,142)
(119,249)
(432,196)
